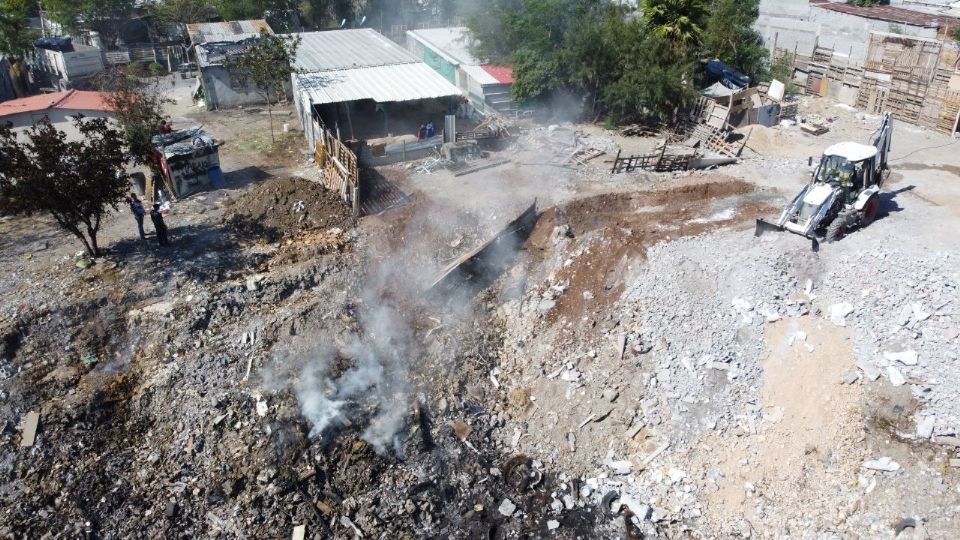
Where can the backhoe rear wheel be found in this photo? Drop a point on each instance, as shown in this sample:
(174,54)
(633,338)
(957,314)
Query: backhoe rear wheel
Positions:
(837,229)
(870,210)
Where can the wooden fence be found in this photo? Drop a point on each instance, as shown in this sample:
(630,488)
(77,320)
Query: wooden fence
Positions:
(916,79)
(338,165)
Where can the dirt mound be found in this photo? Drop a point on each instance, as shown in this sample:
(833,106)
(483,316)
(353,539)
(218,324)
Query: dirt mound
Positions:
(285,207)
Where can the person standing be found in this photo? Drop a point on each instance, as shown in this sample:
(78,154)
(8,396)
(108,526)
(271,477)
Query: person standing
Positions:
(159,225)
(136,207)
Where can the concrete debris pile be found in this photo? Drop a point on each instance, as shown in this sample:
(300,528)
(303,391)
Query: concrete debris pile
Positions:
(904,316)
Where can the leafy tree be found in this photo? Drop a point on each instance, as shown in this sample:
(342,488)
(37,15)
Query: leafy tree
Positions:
(182,11)
(679,21)
(267,66)
(101,16)
(16,37)
(74,181)
(729,36)
(138,108)
(233,10)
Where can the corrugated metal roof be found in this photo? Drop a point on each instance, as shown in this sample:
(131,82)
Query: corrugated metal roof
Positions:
(478,74)
(383,84)
(450,42)
(226,31)
(347,49)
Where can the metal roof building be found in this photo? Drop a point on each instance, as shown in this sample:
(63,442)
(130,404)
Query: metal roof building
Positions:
(451,43)
(340,69)
(226,31)
(447,51)
(351,65)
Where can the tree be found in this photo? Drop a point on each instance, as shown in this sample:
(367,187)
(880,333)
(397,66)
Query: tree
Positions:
(16,37)
(138,109)
(74,181)
(233,10)
(267,65)
(679,21)
(101,16)
(729,36)
(182,11)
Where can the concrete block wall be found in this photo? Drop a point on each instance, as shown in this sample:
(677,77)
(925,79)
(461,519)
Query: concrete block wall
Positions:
(797,24)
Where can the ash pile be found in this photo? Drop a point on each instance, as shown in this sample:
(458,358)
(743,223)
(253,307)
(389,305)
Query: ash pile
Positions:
(286,382)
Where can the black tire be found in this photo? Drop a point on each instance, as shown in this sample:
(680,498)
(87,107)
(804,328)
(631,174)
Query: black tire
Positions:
(837,229)
(870,210)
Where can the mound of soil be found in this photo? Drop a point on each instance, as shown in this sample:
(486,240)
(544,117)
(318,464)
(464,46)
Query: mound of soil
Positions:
(282,208)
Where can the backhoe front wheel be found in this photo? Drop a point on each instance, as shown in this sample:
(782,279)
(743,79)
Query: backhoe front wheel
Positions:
(837,229)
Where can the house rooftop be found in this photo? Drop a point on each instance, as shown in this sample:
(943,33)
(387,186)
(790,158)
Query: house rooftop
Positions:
(70,99)
(347,49)
(450,42)
(226,31)
(891,14)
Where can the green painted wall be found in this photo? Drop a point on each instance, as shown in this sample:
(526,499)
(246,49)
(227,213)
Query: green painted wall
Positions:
(441,66)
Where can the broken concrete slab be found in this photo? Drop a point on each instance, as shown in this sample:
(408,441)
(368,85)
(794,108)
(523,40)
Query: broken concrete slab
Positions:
(907,358)
(851,377)
(507,508)
(299,532)
(947,441)
(30,423)
(955,462)
(895,376)
(925,427)
(870,371)
(839,312)
(884,464)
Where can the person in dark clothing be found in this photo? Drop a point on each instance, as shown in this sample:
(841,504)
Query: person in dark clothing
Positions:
(422,132)
(431,129)
(159,225)
(136,207)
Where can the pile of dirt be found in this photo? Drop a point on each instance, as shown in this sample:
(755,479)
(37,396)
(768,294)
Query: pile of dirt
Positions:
(282,208)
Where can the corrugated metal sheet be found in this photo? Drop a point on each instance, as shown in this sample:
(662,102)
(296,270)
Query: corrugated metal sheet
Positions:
(226,31)
(480,75)
(450,42)
(347,49)
(383,84)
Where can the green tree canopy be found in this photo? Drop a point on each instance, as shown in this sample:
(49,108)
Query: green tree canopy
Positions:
(626,63)
(729,36)
(101,16)
(15,34)
(73,181)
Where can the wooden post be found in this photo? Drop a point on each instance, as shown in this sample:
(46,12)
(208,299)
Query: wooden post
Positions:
(615,160)
(404,150)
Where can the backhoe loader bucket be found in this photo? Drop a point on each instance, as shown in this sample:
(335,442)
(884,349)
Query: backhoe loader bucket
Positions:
(765,226)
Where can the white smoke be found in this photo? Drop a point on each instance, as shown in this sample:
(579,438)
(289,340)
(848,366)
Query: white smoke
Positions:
(373,390)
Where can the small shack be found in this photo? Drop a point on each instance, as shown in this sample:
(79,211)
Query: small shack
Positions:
(215,46)
(189,160)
